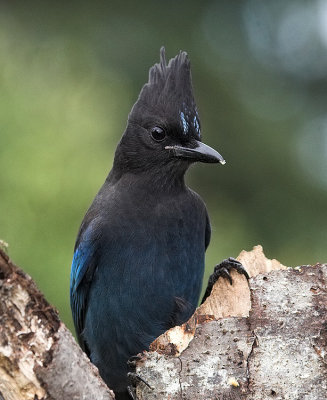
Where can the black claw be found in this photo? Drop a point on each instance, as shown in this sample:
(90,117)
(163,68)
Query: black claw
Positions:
(230,263)
(134,378)
(223,270)
(224,273)
(131,362)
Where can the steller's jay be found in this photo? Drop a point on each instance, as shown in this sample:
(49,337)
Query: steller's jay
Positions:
(139,255)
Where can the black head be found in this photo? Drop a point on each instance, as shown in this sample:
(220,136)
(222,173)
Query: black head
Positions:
(168,98)
(164,127)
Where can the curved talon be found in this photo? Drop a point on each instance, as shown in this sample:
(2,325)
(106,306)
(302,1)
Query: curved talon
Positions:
(224,273)
(223,270)
(133,378)
(137,378)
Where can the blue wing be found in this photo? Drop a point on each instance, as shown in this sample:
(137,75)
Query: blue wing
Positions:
(82,270)
(207,231)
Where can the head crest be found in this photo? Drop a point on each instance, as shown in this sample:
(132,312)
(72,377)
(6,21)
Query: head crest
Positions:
(169,93)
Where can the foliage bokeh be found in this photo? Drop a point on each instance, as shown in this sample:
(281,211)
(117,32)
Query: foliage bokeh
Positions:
(69,74)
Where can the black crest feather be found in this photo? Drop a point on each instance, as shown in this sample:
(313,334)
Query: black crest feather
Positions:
(177,67)
(169,94)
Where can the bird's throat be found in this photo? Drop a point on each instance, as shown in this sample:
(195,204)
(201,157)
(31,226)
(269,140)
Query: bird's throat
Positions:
(156,180)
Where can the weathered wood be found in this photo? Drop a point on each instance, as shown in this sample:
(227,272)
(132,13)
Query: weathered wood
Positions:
(266,339)
(276,348)
(39,358)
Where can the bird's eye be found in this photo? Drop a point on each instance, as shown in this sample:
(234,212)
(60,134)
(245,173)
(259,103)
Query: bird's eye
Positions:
(158,134)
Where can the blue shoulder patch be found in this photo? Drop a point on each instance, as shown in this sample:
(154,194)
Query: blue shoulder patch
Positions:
(82,255)
(83,264)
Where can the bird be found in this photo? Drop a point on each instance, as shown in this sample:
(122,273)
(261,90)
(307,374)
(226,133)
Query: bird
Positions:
(139,256)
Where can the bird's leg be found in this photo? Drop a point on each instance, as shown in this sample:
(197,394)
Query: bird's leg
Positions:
(134,378)
(223,270)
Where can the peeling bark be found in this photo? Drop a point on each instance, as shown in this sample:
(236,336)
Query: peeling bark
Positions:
(259,341)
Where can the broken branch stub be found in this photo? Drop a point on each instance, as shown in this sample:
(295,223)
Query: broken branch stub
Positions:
(259,341)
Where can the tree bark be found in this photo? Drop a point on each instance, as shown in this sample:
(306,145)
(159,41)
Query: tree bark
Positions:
(258,340)
(262,340)
(39,358)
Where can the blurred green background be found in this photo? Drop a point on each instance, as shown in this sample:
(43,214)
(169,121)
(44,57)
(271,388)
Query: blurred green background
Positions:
(69,74)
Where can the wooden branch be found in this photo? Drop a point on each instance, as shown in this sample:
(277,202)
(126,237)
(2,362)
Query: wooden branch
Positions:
(39,358)
(266,340)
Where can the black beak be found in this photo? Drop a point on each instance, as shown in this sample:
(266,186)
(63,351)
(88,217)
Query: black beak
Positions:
(201,152)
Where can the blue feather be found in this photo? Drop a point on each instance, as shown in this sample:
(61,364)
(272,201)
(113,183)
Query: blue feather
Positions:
(184,123)
(83,265)
(79,264)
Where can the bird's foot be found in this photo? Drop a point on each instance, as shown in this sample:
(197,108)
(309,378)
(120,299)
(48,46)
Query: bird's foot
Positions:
(223,270)
(132,361)
(133,378)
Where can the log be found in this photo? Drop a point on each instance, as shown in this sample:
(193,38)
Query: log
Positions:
(262,340)
(265,339)
(39,358)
